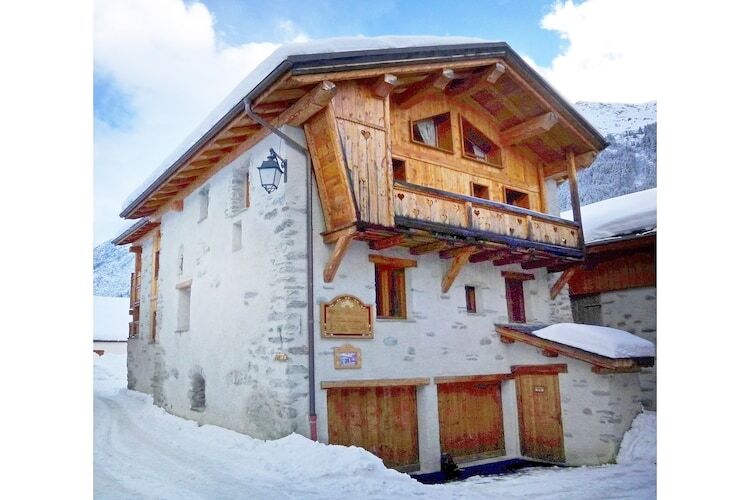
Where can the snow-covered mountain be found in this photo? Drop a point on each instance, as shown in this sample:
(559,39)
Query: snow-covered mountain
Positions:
(626,166)
(112,268)
(629,162)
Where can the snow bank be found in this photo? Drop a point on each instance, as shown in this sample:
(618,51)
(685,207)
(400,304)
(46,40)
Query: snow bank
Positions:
(322,46)
(628,214)
(111,318)
(639,443)
(602,340)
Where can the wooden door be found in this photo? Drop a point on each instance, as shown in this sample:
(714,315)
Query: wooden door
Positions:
(540,417)
(382,420)
(471,420)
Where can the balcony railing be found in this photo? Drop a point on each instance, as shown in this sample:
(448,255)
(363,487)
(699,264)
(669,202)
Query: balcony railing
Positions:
(432,209)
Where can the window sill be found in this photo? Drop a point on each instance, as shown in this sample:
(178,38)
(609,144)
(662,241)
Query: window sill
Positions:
(483,162)
(182,331)
(436,148)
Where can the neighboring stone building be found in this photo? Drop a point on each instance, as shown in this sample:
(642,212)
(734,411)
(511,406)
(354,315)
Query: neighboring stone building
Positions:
(617,286)
(405,314)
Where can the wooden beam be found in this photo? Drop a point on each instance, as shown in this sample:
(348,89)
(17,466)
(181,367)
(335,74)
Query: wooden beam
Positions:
(565,350)
(608,371)
(575,201)
(561,282)
(528,87)
(547,353)
(271,107)
(230,141)
(312,102)
(558,170)
(454,252)
(399,71)
(391,261)
(537,264)
(528,129)
(539,369)
(384,85)
(387,242)
(425,248)
(511,259)
(382,382)
(493,377)
(178,205)
(486,255)
(455,267)
(475,83)
(342,245)
(511,275)
(417,92)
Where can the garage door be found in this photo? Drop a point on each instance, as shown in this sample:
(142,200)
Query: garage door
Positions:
(471,420)
(382,420)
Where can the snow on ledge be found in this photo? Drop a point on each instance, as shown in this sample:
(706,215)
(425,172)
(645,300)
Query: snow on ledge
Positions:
(628,214)
(601,340)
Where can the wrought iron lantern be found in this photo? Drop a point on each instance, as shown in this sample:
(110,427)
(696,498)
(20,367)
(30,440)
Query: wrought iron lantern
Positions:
(271,171)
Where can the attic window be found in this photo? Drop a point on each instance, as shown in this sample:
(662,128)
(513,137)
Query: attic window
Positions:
(517,198)
(434,131)
(477,146)
(471,299)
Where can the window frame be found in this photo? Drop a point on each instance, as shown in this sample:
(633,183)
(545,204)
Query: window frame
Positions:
(470,292)
(449,119)
(471,156)
(515,294)
(393,286)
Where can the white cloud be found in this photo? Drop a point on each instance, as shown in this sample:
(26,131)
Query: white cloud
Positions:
(164,56)
(611,50)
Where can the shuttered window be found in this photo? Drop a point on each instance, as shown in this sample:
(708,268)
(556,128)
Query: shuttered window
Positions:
(390,291)
(514,297)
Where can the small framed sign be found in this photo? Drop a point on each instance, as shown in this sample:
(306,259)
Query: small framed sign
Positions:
(347,357)
(346,316)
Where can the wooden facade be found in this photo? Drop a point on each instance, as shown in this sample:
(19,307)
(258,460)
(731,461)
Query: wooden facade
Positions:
(616,265)
(428,156)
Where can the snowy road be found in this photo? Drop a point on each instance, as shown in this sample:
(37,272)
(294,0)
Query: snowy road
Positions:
(140,451)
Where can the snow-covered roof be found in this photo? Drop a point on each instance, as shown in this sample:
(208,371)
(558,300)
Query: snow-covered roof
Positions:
(632,213)
(601,340)
(267,66)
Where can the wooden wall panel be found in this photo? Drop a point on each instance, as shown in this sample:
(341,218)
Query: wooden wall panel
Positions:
(616,273)
(471,420)
(382,420)
(362,130)
(330,172)
(450,171)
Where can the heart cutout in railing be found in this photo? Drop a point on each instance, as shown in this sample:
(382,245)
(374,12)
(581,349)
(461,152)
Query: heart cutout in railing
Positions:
(476,212)
(400,196)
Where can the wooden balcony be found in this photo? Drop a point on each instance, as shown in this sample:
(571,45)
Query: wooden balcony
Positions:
(441,212)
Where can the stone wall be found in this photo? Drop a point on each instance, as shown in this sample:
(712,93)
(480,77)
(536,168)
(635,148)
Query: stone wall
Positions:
(634,310)
(246,305)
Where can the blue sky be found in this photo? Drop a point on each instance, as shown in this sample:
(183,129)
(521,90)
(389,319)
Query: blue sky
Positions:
(160,66)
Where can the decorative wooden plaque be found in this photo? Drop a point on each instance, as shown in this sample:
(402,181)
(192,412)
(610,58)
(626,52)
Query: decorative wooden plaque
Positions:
(346,316)
(347,356)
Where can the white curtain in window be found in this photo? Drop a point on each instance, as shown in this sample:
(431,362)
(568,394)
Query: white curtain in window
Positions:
(428,131)
(479,152)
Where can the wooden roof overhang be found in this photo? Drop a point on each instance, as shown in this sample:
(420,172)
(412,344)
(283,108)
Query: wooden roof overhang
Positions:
(600,364)
(135,232)
(519,101)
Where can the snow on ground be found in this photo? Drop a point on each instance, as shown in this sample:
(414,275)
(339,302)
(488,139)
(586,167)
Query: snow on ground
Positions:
(140,452)
(111,318)
(609,342)
(622,215)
